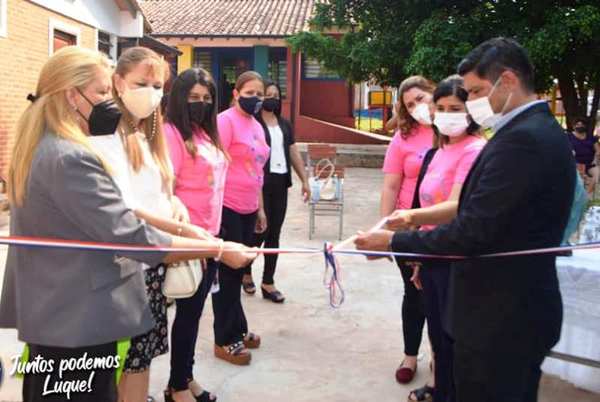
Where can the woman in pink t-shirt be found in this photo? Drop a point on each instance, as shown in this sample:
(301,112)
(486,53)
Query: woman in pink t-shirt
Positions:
(243,139)
(403,159)
(199,166)
(438,192)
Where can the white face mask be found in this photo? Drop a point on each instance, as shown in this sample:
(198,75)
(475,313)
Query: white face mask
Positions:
(451,124)
(481,109)
(421,113)
(141,102)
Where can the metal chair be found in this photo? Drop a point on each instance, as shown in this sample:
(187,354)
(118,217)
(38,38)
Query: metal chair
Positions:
(334,207)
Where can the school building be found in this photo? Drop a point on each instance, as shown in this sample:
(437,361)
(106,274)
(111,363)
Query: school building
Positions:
(32,30)
(228,37)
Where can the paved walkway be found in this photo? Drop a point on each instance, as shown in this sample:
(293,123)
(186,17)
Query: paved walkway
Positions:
(310,352)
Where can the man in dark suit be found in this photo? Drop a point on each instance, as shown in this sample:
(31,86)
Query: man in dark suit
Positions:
(504,314)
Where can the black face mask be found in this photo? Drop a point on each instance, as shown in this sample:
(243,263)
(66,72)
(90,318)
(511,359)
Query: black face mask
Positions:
(199,112)
(251,104)
(581,130)
(104,118)
(272,105)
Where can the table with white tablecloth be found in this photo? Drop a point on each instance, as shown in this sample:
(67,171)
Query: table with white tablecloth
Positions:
(579,278)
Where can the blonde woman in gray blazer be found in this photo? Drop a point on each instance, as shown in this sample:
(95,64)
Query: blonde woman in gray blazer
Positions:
(69,303)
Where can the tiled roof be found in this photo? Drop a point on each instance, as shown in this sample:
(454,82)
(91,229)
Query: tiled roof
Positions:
(271,18)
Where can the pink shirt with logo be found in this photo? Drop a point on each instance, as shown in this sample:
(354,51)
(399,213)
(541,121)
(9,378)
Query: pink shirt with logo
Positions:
(405,156)
(243,139)
(450,165)
(200,180)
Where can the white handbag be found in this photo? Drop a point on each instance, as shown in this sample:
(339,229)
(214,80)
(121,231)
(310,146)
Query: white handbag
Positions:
(182,279)
(326,182)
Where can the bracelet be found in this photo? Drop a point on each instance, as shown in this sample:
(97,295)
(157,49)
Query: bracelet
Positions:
(221,250)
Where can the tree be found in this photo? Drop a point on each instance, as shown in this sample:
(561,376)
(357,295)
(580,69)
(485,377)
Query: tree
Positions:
(389,40)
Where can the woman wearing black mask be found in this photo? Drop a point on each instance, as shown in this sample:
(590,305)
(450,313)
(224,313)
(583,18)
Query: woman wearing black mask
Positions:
(278,178)
(199,166)
(586,149)
(104,117)
(243,139)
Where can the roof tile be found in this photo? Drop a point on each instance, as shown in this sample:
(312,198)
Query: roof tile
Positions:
(228,17)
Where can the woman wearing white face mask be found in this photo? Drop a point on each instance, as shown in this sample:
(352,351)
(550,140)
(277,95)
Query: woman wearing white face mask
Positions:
(143,172)
(403,159)
(436,201)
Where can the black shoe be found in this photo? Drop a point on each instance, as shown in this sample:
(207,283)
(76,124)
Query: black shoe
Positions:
(275,297)
(204,397)
(249,287)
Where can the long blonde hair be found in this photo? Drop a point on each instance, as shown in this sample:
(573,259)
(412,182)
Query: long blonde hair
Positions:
(152,125)
(70,67)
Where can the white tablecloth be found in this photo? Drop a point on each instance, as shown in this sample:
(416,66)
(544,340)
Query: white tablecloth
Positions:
(579,278)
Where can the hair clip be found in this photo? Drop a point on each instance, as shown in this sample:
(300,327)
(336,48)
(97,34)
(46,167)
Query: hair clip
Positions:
(32,98)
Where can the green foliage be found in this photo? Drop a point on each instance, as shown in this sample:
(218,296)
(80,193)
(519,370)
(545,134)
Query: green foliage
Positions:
(387,40)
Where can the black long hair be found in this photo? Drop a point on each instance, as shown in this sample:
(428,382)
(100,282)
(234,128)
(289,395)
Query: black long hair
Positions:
(453,86)
(178,110)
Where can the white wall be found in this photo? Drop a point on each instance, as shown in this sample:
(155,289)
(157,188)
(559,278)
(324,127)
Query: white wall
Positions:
(101,14)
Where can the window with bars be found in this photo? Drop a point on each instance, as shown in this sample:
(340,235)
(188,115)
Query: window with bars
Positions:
(203,59)
(278,69)
(105,44)
(315,70)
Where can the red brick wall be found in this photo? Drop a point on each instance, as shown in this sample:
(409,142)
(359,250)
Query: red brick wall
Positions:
(309,130)
(328,100)
(24,51)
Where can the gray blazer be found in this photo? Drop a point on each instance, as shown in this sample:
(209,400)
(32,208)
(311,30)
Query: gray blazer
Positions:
(72,298)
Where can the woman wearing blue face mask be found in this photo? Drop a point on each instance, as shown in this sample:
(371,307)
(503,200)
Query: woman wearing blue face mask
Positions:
(436,201)
(243,139)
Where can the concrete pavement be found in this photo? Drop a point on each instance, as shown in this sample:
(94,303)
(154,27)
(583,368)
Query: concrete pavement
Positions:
(310,352)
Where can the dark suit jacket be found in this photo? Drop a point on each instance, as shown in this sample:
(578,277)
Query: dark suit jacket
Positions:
(517,196)
(288,140)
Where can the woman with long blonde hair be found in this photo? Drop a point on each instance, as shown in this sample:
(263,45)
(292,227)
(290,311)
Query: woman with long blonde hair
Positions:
(67,303)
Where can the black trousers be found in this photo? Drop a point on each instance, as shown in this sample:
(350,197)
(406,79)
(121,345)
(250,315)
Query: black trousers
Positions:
(497,374)
(230,321)
(275,196)
(413,314)
(103,385)
(435,277)
(185,330)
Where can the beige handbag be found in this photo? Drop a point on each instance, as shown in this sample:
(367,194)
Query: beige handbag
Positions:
(182,279)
